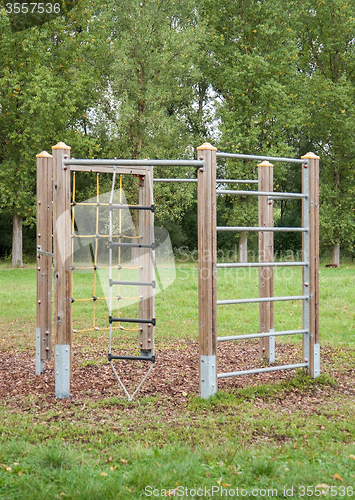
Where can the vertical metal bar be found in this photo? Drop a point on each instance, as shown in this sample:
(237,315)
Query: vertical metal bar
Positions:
(316,360)
(62,371)
(272,354)
(39,360)
(306,257)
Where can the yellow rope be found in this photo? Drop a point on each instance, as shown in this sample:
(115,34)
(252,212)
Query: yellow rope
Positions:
(103,236)
(94,265)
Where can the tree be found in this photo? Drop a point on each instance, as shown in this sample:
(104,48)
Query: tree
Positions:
(328,61)
(153,103)
(44,93)
(253,48)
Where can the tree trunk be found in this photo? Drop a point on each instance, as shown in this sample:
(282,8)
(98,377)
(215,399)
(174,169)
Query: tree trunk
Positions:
(243,248)
(17,242)
(336,256)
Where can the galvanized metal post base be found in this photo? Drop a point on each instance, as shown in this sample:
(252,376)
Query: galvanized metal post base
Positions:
(208,376)
(272,347)
(39,361)
(62,371)
(146,354)
(316,361)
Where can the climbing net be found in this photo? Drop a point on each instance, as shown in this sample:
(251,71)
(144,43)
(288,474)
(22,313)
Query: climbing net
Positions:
(96,252)
(103,231)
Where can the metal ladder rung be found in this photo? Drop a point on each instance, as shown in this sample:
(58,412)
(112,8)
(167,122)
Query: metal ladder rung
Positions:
(134,358)
(152,321)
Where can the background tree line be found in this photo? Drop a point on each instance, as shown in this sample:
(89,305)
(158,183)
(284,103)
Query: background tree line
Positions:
(156,78)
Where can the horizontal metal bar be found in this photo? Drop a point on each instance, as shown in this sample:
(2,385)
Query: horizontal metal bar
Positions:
(131,207)
(269,229)
(133,358)
(107,169)
(256,157)
(278,198)
(261,299)
(259,264)
(262,370)
(260,335)
(175,180)
(132,283)
(131,245)
(111,319)
(138,163)
(238,181)
(262,193)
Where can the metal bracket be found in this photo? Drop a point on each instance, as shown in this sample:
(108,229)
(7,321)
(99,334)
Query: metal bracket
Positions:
(39,361)
(208,376)
(62,371)
(42,252)
(272,347)
(316,361)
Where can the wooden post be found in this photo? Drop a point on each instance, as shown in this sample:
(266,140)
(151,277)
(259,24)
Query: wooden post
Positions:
(311,348)
(44,262)
(146,274)
(207,278)
(62,269)
(266,254)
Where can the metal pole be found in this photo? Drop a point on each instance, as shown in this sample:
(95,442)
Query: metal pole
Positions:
(260,335)
(137,163)
(263,370)
(261,299)
(271,229)
(260,264)
(273,194)
(259,158)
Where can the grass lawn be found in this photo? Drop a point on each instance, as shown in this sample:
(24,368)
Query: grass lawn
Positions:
(289,438)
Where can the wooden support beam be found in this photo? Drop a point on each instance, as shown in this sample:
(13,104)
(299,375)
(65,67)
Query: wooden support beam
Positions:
(266,254)
(207,277)
(62,257)
(311,342)
(146,273)
(44,262)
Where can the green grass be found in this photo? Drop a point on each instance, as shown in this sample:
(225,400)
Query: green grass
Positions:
(249,438)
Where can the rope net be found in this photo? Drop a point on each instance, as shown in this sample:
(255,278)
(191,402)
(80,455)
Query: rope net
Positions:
(108,243)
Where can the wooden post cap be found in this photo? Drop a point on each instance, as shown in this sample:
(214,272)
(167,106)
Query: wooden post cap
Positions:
(310,156)
(44,154)
(61,145)
(265,163)
(206,145)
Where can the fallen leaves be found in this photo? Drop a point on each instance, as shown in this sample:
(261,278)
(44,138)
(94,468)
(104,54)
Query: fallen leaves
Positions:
(337,477)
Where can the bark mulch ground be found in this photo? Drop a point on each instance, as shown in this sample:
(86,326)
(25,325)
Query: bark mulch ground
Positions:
(174,376)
